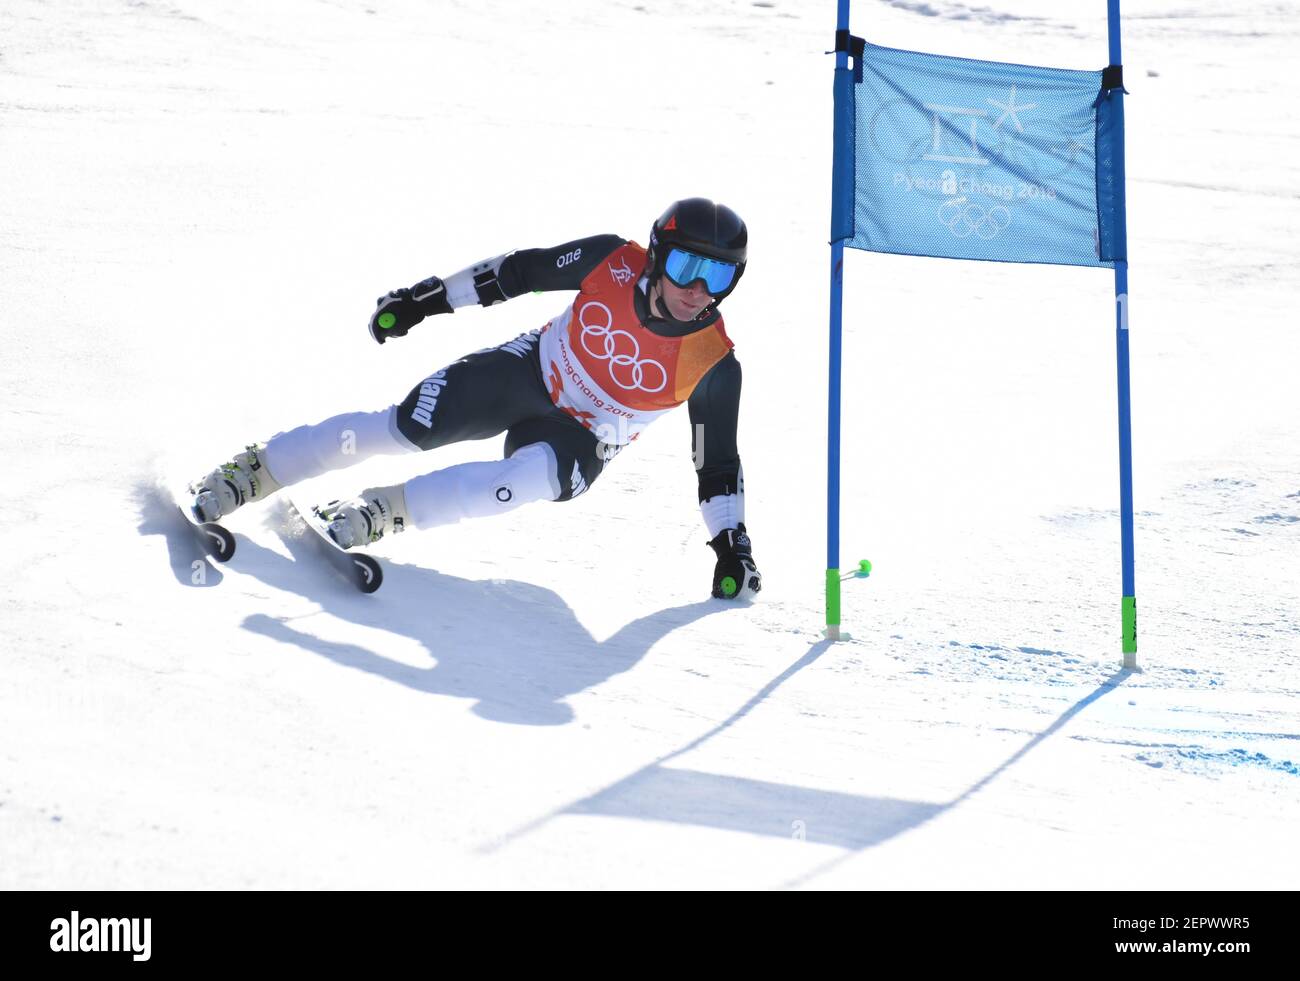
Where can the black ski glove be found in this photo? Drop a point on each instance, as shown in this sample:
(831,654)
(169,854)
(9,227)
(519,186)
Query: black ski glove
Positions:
(402,309)
(735,574)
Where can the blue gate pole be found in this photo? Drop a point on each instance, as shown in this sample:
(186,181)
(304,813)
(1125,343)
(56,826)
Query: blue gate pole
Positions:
(1128,599)
(839,175)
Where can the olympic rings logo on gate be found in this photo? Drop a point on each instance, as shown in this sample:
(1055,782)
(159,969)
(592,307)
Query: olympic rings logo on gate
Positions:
(610,350)
(961,221)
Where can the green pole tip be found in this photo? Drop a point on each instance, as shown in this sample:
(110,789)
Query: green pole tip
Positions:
(864,567)
(832,597)
(1128,615)
(386,320)
(728,586)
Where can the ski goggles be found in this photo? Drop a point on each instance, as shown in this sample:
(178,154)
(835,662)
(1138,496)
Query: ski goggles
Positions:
(684,268)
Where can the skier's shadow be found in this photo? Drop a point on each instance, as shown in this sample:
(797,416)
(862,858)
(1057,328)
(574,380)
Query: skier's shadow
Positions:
(515,648)
(158,516)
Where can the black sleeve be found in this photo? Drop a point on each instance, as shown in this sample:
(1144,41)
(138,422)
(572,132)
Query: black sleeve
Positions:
(563,267)
(715,410)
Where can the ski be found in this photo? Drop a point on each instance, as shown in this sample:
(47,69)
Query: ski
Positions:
(215,540)
(362,570)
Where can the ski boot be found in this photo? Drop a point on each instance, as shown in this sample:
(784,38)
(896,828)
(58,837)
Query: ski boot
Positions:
(245,478)
(366,518)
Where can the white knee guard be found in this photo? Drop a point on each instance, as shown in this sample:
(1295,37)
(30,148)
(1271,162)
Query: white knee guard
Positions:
(475,490)
(338,442)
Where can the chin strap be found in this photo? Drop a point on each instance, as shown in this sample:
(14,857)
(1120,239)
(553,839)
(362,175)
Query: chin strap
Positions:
(662,307)
(657,306)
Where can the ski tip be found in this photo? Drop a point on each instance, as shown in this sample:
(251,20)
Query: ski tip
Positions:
(364,571)
(222,542)
(369,573)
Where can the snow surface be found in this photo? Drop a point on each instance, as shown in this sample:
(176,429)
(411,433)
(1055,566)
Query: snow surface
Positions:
(201,199)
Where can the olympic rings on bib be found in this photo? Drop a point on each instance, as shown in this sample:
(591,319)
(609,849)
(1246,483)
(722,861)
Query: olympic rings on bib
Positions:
(620,349)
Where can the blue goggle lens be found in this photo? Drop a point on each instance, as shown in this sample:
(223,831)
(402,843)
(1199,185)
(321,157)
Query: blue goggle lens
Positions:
(684,268)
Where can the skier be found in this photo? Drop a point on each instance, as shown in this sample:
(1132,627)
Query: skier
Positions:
(642,336)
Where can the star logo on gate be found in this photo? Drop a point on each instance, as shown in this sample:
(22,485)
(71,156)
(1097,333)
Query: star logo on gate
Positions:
(1010,109)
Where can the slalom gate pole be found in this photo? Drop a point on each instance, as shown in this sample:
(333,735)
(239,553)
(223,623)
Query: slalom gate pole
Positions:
(1128,596)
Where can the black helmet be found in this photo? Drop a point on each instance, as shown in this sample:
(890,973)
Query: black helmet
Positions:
(704,228)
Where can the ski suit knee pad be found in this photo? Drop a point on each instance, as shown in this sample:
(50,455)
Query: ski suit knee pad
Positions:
(477,490)
(338,442)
